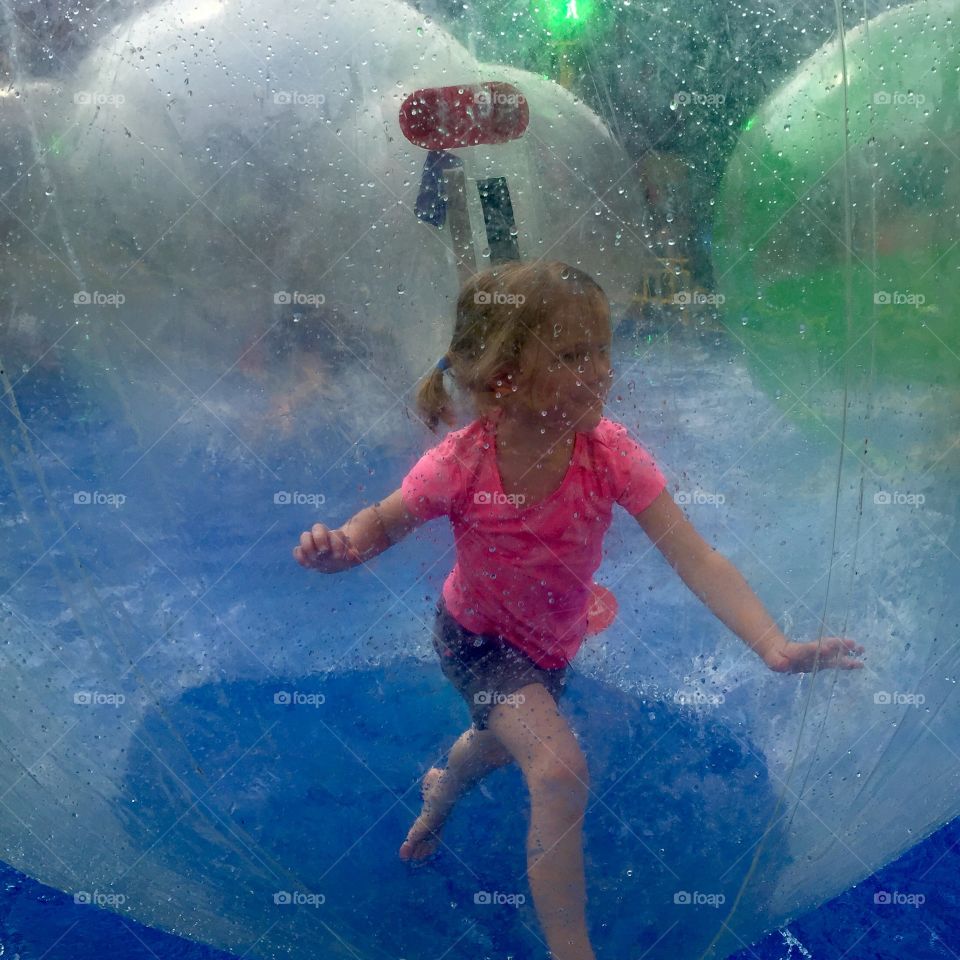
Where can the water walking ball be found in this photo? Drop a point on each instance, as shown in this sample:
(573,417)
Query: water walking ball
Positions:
(835,237)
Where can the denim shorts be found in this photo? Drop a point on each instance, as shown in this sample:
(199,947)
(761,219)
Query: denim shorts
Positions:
(485,669)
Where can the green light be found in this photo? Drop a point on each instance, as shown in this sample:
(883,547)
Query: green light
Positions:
(564,18)
(749,123)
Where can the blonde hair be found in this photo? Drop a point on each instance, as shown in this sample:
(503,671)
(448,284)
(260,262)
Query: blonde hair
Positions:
(499,311)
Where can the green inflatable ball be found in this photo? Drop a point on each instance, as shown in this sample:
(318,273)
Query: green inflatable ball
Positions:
(837,234)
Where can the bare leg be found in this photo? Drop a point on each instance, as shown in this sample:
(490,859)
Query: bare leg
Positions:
(556,774)
(475,754)
(555,869)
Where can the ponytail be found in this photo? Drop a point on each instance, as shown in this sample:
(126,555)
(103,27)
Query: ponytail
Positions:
(433,402)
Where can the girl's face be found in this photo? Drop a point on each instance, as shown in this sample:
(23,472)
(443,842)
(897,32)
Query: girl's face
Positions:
(565,372)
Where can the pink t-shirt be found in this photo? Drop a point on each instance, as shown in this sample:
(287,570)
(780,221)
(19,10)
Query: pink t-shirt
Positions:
(524,573)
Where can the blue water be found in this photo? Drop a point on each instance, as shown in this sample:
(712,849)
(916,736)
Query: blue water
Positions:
(38,923)
(300,796)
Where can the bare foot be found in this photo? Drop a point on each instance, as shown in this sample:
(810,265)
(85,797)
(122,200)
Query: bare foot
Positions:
(424,835)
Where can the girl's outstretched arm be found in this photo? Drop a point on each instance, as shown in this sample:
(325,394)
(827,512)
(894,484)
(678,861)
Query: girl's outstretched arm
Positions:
(721,586)
(362,537)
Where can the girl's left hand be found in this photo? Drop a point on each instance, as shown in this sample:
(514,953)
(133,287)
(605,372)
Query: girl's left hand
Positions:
(804,657)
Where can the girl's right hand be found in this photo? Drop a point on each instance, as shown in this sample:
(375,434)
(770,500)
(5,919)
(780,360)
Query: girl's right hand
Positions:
(328,551)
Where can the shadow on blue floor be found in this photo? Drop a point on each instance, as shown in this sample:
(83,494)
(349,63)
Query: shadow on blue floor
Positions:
(324,793)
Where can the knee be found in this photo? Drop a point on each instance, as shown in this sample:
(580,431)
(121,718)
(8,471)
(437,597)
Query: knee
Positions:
(563,779)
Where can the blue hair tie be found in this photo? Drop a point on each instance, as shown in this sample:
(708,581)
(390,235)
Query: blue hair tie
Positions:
(443,363)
